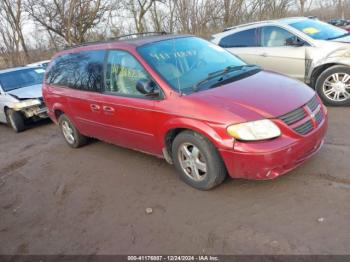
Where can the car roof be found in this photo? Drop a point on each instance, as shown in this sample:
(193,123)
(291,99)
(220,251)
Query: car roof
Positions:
(14,69)
(285,21)
(291,20)
(135,42)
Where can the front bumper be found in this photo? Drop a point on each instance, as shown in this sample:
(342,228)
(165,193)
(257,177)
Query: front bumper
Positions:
(35,111)
(270,159)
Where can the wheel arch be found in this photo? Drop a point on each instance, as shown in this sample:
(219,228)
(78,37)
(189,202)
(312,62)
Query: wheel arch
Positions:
(175,127)
(57,111)
(318,71)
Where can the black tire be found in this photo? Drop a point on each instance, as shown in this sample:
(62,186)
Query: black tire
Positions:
(216,170)
(321,80)
(15,120)
(79,139)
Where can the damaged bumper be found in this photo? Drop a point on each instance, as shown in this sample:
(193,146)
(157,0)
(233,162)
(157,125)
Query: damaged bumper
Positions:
(31,108)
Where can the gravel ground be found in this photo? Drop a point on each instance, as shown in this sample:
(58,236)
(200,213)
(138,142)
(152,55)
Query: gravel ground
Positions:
(93,200)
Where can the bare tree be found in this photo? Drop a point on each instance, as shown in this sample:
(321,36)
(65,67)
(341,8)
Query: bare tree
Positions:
(232,12)
(11,12)
(139,9)
(70,19)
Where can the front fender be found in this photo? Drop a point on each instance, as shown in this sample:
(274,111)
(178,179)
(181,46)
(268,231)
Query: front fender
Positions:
(216,133)
(345,61)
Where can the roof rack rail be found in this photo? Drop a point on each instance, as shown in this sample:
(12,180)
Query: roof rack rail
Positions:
(128,36)
(136,35)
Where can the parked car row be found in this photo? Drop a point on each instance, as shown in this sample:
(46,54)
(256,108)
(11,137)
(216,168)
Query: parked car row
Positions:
(201,107)
(339,22)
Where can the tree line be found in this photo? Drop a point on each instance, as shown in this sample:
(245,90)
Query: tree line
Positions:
(59,23)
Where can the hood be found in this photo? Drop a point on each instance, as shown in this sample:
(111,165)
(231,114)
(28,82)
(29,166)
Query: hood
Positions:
(345,39)
(27,92)
(263,95)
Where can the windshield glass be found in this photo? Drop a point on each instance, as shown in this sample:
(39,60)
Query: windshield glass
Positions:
(21,78)
(182,62)
(319,30)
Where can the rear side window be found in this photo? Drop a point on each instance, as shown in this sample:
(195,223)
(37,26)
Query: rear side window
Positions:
(83,71)
(247,38)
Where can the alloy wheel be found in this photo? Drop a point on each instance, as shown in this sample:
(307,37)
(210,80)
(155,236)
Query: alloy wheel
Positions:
(68,132)
(337,87)
(192,162)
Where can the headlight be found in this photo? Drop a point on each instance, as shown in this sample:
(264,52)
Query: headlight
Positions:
(26,103)
(253,131)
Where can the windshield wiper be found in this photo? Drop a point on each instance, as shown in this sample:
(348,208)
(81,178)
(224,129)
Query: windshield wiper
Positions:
(221,73)
(332,38)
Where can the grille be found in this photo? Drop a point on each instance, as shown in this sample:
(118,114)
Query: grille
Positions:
(301,113)
(294,116)
(319,117)
(304,128)
(313,104)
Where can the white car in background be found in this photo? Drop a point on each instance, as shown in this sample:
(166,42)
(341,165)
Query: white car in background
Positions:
(307,49)
(43,64)
(21,96)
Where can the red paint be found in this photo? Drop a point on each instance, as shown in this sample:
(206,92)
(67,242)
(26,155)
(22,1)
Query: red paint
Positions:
(143,124)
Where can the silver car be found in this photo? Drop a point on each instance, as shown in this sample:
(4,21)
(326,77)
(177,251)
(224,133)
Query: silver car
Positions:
(21,96)
(307,49)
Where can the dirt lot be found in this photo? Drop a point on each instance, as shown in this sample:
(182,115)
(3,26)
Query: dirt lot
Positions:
(57,200)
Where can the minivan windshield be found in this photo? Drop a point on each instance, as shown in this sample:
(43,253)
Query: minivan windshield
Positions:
(21,78)
(186,61)
(319,30)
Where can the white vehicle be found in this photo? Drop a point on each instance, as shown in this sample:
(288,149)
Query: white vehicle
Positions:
(43,64)
(21,96)
(307,49)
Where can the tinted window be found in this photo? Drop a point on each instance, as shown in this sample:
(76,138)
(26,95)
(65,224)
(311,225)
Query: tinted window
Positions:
(83,70)
(21,78)
(273,36)
(247,38)
(123,72)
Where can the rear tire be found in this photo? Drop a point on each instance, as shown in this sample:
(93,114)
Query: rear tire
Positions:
(70,133)
(197,160)
(15,120)
(333,86)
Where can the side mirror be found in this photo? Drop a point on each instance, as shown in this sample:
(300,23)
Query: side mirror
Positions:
(147,87)
(294,41)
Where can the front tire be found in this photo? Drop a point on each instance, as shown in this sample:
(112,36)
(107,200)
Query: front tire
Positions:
(15,120)
(197,160)
(70,133)
(333,86)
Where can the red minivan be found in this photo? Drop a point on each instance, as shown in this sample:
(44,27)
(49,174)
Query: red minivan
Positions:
(189,101)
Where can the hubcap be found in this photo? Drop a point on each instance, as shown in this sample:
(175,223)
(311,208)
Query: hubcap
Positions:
(68,132)
(337,87)
(192,162)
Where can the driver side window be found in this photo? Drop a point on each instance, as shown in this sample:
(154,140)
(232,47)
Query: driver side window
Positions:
(122,74)
(273,36)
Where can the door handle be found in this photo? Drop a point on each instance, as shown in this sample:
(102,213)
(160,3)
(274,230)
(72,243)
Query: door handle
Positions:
(108,109)
(264,54)
(95,107)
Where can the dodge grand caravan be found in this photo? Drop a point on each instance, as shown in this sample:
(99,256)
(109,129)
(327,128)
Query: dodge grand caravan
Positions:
(189,101)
